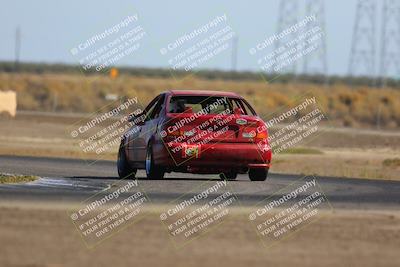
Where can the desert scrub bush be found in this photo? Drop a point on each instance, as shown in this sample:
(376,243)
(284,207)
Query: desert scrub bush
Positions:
(12,178)
(391,162)
(303,150)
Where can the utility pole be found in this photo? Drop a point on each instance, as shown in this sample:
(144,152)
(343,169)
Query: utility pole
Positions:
(17,48)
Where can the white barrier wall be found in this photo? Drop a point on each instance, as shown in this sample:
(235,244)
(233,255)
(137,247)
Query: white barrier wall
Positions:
(8,102)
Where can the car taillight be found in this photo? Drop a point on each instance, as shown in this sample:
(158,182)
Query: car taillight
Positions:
(170,129)
(256,131)
(174,133)
(262,132)
(262,135)
(189,133)
(262,138)
(249,133)
(173,129)
(180,132)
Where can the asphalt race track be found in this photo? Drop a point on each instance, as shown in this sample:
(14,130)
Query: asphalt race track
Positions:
(76,180)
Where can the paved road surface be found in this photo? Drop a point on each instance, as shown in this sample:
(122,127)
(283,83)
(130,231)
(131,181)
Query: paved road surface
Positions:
(76,180)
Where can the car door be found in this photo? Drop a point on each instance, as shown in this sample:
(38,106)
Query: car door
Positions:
(134,142)
(148,128)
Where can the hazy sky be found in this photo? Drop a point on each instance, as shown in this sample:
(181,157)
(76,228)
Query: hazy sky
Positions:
(50,28)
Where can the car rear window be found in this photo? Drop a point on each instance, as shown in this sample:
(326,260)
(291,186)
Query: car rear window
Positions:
(208,105)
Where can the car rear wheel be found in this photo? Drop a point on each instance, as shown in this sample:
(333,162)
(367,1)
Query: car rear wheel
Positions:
(228,176)
(124,169)
(258,174)
(153,171)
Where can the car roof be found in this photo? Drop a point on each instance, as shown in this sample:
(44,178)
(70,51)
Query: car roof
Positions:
(203,92)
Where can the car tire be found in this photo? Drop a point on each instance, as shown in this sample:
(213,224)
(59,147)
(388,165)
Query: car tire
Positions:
(258,174)
(153,172)
(228,176)
(124,169)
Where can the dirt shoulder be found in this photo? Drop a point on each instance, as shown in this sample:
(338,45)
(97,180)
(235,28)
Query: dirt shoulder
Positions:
(44,236)
(342,152)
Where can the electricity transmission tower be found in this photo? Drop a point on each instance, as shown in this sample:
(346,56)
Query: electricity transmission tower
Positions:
(288,16)
(316,61)
(363,48)
(390,40)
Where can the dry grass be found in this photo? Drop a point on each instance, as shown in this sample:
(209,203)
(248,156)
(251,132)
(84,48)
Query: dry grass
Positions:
(360,106)
(13,179)
(393,163)
(303,150)
(45,236)
(340,162)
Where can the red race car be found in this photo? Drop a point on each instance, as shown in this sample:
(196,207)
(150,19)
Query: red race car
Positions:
(202,132)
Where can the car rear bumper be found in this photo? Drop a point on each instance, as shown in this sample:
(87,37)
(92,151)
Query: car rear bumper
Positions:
(218,156)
